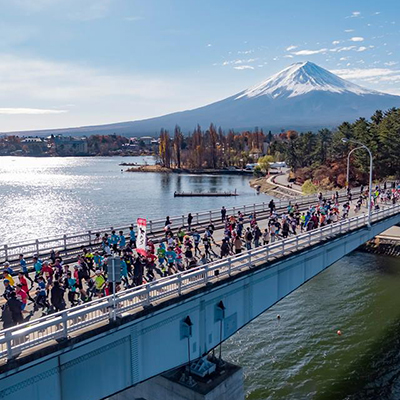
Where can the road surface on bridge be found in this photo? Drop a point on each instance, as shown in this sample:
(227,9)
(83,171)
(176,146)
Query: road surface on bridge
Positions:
(262,219)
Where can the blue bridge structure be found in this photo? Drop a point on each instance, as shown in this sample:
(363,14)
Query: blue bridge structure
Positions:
(99,348)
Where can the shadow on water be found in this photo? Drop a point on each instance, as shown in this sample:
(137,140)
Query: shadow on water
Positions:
(165,182)
(178,183)
(373,376)
(387,265)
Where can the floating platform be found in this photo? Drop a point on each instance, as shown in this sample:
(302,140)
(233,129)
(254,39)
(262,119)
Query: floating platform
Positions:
(209,194)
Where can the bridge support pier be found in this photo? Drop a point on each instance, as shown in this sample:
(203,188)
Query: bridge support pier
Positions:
(226,383)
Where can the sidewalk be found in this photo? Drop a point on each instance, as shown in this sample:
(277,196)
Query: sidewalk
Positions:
(282,180)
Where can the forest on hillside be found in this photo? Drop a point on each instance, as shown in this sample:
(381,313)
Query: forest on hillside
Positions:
(319,158)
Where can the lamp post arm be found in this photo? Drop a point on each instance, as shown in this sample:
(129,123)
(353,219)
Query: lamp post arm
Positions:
(348,164)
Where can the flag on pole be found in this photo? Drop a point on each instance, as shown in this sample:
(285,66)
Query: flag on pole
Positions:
(141,241)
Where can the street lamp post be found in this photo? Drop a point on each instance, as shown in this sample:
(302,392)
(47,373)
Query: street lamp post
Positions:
(348,165)
(344,140)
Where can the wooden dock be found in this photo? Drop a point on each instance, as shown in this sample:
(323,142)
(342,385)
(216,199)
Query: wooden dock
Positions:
(206,194)
(387,243)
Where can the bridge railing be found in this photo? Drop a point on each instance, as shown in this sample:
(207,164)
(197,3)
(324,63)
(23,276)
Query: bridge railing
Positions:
(63,324)
(78,240)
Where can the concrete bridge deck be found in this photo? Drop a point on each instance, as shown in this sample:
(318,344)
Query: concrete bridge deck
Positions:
(70,245)
(102,337)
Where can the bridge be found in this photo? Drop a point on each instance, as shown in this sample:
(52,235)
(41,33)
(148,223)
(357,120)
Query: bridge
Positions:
(69,245)
(116,342)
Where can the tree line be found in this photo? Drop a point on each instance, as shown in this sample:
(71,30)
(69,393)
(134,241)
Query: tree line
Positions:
(211,148)
(319,158)
(322,157)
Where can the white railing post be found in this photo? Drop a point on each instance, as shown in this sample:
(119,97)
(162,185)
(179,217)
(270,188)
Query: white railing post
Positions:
(180,284)
(206,274)
(65,242)
(65,324)
(5,252)
(210,216)
(151,226)
(283,246)
(197,218)
(249,261)
(90,237)
(183,220)
(229,266)
(37,247)
(111,309)
(9,345)
(148,298)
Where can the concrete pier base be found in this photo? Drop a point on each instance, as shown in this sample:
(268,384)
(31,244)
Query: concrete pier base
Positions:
(226,383)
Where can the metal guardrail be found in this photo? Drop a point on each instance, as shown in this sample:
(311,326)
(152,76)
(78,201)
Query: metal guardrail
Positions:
(10,252)
(62,324)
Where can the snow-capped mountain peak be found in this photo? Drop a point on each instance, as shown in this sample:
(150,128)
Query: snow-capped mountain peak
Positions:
(301,78)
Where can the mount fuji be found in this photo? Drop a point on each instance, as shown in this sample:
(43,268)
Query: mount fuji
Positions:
(303,96)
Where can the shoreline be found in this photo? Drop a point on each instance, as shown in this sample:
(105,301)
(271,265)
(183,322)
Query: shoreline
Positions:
(274,190)
(159,168)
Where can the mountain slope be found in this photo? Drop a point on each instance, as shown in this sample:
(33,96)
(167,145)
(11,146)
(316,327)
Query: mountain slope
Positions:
(302,96)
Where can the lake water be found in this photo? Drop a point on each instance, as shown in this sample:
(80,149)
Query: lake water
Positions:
(299,356)
(51,196)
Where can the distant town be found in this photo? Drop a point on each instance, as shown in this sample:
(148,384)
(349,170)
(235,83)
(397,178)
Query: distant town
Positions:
(64,145)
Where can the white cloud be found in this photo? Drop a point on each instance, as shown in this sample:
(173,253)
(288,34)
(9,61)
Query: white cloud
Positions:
(340,49)
(236,62)
(357,39)
(241,67)
(346,48)
(354,14)
(288,56)
(100,95)
(246,52)
(349,30)
(309,52)
(290,48)
(30,111)
(362,48)
(335,42)
(132,19)
(377,13)
(376,75)
(209,45)
(55,80)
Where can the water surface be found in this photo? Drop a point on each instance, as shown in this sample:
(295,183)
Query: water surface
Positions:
(50,196)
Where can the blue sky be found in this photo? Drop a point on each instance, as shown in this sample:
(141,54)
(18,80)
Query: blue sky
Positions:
(86,62)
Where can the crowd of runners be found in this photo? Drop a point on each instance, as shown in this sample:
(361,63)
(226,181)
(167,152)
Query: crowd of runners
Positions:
(56,284)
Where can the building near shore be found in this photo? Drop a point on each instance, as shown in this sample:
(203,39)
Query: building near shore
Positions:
(34,145)
(69,145)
